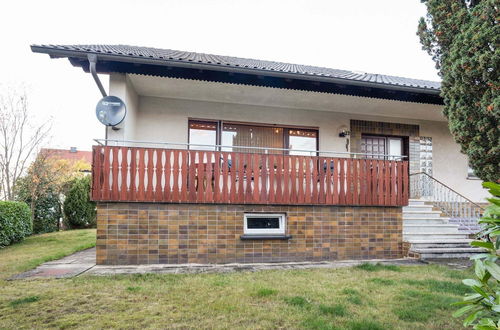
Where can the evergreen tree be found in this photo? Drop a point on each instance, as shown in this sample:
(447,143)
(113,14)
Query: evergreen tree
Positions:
(463,36)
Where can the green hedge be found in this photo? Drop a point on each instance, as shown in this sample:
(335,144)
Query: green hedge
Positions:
(15,222)
(79,210)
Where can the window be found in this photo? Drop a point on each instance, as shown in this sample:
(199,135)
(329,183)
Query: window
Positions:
(264,224)
(379,147)
(470,173)
(300,141)
(252,136)
(203,132)
(426,155)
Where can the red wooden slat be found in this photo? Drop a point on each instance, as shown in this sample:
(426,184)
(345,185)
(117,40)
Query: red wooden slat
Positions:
(355,181)
(293,178)
(167,193)
(141,171)
(321,180)
(248,178)
(406,185)
(335,185)
(149,174)
(208,180)
(387,182)
(225,171)
(380,182)
(184,171)
(349,183)
(132,192)
(374,191)
(263,179)
(315,179)
(192,175)
(256,177)
(271,194)
(400,184)
(234,178)
(328,181)
(201,176)
(175,176)
(159,175)
(286,178)
(240,170)
(393,183)
(300,180)
(362,182)
(216,177)
(123,173)
(96,173)
(279,179)
(114,174)
(308,164)
(342,178)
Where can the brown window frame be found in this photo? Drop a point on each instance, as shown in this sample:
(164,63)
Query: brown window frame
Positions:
(219,124)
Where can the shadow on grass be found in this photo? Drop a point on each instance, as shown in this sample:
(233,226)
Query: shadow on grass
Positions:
(377,267)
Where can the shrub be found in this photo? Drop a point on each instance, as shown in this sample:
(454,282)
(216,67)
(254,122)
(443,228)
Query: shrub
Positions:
(47,214)
(482,306)
(79,210)
(15,222)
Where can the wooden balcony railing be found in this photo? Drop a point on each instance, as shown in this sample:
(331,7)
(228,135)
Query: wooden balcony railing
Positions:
(132,174)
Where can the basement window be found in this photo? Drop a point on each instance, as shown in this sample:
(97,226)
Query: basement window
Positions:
(264,225)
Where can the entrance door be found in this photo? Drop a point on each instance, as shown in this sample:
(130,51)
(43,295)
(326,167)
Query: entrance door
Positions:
(382,147)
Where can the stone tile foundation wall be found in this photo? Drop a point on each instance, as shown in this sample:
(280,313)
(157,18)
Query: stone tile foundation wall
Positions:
(141,233)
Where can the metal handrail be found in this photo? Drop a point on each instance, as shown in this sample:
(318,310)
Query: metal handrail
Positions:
(456,192)
(265,149)
(460,209)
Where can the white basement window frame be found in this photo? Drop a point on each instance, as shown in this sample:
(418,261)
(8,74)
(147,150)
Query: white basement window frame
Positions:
(280,231)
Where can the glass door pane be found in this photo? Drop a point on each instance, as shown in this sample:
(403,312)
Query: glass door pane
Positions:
(395,148)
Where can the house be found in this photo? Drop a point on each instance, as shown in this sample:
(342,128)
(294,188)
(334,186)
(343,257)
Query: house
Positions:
(72,154)
(222,159)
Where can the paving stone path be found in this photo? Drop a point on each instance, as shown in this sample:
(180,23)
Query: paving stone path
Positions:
(83,262)
(72,265)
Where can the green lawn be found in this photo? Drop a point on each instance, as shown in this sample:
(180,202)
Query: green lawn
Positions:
(365,297)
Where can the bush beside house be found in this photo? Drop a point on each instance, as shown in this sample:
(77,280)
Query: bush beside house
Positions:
(15,222)
(79,210)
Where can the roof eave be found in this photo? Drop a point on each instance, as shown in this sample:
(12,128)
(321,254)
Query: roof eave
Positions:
(61,53)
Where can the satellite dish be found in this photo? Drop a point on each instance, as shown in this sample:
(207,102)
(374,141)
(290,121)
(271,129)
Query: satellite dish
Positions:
(110,110)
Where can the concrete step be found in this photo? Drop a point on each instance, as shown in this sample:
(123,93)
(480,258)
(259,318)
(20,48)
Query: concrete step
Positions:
(413,202)
(447,253)
(440,241)
(422,215)
(424,222)
(429,235)
(435,228)
(417,208)
(439,246)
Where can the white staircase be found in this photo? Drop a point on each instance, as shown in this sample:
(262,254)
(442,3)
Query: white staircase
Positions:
(431,235)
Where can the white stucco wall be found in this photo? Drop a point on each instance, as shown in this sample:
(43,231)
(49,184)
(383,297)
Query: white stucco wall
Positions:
(120,86)
(165,119)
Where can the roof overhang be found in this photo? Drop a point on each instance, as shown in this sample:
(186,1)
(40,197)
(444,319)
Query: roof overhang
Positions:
(109,63)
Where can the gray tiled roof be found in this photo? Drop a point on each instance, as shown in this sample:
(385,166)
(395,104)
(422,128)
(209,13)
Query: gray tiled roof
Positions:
(236,62)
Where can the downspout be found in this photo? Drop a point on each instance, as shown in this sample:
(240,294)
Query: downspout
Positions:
(92,67)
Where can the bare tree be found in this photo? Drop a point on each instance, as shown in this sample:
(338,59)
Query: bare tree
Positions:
(20,138)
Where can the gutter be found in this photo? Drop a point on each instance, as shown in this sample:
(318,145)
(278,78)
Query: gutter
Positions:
(55,53)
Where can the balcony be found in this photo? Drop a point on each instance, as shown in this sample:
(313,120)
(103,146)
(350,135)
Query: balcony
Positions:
(256,176)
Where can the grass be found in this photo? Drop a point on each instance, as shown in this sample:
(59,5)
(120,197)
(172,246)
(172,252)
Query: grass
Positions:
(38,249)
(359,298)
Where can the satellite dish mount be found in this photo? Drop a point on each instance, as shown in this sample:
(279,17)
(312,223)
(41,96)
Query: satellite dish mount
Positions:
(111,111)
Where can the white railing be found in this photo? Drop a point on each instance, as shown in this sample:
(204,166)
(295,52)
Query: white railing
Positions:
(457,207)
(263,150)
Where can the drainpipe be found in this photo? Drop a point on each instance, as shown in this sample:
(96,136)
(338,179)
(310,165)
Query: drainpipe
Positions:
(92,67)
(92,64)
